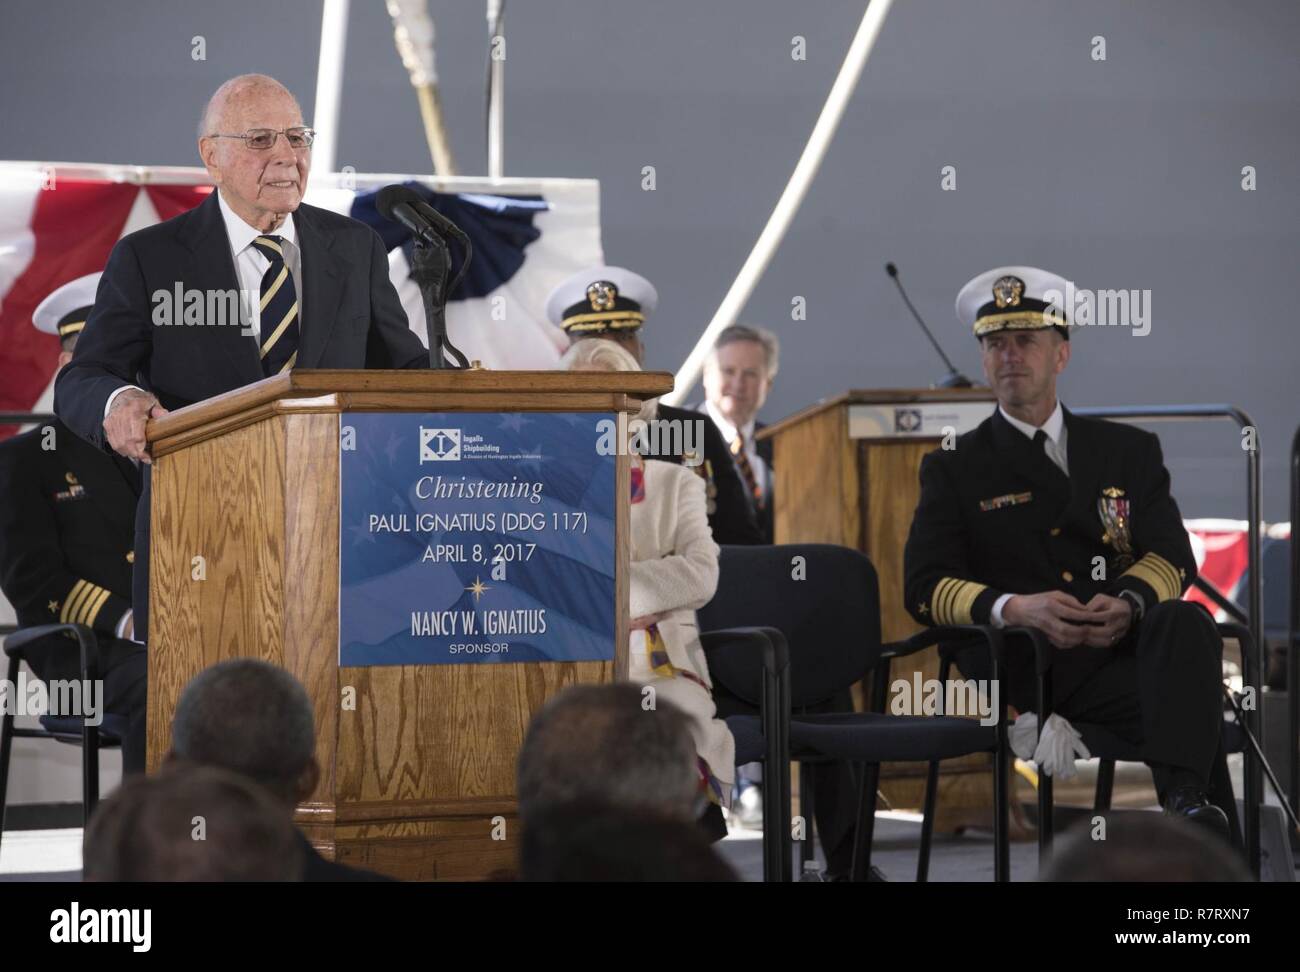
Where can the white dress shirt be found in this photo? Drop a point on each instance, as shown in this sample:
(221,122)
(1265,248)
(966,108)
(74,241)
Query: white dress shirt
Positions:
(1055,447)
(250,266)
(762,475)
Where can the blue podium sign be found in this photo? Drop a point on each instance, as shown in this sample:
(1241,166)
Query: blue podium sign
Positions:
(468,537)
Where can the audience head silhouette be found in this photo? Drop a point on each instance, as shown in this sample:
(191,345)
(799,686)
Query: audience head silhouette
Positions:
(612,745)
(1141,847)
(190,823)
(592,842)
(251,717)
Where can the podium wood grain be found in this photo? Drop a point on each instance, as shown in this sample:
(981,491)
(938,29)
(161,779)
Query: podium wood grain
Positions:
(418,761)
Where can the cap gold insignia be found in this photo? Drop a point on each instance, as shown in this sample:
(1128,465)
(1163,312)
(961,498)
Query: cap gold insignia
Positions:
(602,295)
(1007,291)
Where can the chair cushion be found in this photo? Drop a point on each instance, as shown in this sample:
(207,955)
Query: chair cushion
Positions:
(748,731)
(867,737)
(111,731)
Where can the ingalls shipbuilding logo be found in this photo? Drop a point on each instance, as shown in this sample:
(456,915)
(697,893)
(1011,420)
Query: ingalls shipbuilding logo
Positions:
(439,445)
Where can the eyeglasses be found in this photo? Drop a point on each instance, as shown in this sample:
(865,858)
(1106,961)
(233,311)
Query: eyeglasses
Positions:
(262,139)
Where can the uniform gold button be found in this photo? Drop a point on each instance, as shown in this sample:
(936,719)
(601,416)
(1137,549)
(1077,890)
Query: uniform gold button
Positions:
(130,556)
(1056,531)
(1066,576)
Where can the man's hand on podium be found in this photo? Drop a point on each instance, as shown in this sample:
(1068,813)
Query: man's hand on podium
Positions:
(125,422)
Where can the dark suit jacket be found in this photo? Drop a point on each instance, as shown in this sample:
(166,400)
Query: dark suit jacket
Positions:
(766,516)
(763,518)
(731,513)
(996,516)
(67,523)
(350,317)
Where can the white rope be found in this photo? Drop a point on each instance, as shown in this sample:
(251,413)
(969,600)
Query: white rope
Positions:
(795,190)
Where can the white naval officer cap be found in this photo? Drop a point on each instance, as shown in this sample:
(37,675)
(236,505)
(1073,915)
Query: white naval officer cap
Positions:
(1014,299)
(64,311)
(600,299)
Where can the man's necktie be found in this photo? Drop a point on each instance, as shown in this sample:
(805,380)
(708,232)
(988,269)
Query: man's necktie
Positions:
(1040,444)
(746,470)
(279,314)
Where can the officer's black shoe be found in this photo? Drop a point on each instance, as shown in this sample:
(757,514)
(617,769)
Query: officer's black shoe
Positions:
(1190,803)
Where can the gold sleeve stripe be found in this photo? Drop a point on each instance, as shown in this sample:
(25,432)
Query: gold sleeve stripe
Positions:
(1160,574)
(83,603)
(966,601)
(1169,572)
(936,597)
(944,591)
(953,599)
(93,607)
(1175,578)
(78,613)
(70,602)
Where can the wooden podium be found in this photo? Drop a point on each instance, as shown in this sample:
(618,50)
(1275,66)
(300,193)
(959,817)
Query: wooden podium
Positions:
(418,774)
(846,472)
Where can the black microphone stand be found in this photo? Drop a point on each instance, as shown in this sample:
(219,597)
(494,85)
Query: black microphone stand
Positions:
(431,263)
(954,378)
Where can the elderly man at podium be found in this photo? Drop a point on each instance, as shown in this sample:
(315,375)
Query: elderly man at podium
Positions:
(1042,518)
(248,285)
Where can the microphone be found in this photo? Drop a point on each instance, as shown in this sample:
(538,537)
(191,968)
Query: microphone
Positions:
(430,264)
(405,206)
(954,378)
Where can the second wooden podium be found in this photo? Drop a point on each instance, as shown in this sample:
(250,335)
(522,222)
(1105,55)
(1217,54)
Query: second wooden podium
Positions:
(418,760)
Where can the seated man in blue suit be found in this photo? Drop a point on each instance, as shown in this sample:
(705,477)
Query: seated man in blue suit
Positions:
(248,285)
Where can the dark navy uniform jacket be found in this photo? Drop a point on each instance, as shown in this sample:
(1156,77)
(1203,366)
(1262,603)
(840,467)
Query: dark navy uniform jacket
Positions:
(996,516)
(67,520)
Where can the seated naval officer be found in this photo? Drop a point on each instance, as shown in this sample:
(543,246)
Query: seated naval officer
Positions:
(613,303)
(67,522)
(1045,519)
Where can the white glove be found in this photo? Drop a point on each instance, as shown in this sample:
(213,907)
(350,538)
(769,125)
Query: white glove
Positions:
(1023,735)
(1054,749)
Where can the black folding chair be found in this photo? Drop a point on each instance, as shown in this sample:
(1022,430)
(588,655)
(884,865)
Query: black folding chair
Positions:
(69,729)
(825,600)
(756,662)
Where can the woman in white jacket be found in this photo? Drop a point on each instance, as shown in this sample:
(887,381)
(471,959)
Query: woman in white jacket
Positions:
(674,572)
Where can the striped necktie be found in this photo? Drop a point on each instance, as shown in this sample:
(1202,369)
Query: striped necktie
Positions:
(746,470)
(279,310)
